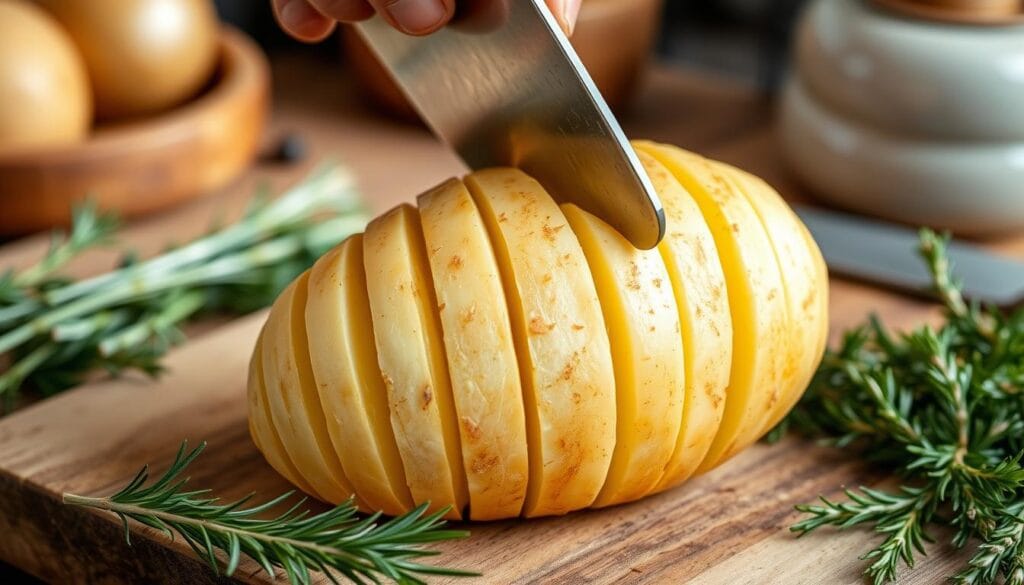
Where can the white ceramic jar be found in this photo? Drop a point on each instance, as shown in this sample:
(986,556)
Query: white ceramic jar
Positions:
(917,121)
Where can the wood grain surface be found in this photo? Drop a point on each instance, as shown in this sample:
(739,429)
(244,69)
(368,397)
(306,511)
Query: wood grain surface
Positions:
(727,527)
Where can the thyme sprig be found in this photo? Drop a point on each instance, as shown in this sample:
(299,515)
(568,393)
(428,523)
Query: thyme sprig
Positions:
(55,331)
(943,408)
(338,542)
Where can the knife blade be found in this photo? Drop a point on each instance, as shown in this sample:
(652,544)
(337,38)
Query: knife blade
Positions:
(886,254)
(517,95)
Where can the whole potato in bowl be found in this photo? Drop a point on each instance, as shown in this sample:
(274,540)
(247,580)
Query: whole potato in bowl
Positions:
(44,91)
(143,56)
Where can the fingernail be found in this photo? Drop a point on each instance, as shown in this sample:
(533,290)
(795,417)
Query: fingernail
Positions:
(417,16)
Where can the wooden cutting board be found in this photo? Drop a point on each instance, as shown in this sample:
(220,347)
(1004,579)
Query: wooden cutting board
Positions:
(727,527)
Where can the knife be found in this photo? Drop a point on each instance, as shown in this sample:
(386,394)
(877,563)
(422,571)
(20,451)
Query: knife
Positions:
(886,254)
(517,95)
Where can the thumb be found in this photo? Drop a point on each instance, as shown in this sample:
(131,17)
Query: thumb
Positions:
(415,17)
(565,12)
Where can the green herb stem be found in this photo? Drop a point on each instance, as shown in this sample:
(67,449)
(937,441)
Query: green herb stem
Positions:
(336,543)
(942,409)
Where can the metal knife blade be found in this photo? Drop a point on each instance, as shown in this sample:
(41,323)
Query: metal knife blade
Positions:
(886,254)
(517,95)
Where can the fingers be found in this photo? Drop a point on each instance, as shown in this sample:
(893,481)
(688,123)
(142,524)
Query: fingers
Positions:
(313,20)
(416,17)
(344,10)
(302,21)
(566,12)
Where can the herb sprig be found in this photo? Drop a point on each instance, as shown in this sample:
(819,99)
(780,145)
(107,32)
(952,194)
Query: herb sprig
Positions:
(55,331)
(337,542)
(944,409)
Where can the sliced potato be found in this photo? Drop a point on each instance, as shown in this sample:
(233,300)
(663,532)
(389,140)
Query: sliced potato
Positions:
(481,356)
(294,404)
(756,299)
(262,430)
(560,339)
(698,283)
(806,301)
(502,355)
(642,320)
(413,367)
(344,359)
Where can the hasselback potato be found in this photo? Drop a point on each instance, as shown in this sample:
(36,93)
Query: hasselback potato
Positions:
(492,351)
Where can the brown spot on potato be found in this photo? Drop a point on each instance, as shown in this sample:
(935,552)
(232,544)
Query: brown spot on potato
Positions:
(577,327)
(455,262)
(808,300)
(574,454)
(441,307)
(468,315)
(502,217)
(634,277)
(576,398)
(539,327)
(484,462)
(713,396)
(570,366)
(700,255)
(471,430)
(550,233)
(656,282)
(428,396)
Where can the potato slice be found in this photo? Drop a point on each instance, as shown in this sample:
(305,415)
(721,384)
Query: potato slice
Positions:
(481,356)
(647,352)
(698,283)
(410,352)
(294,403)
(260,427)
(756,299)
(344,359)
(807,302)
(560,339)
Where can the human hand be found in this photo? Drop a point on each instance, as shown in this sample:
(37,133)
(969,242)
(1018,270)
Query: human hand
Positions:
(313,20)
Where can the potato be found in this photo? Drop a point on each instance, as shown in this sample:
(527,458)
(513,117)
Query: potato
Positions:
(143,56)
(45,101)
(499,355)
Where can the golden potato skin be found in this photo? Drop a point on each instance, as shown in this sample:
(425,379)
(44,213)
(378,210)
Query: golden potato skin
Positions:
(143,56)
(44,90)
(545,341)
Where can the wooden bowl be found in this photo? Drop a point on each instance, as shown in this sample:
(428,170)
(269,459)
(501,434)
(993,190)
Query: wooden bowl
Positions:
(146,165)
(613,39)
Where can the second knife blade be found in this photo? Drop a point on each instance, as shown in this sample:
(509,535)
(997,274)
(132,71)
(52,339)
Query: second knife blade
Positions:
(887,254)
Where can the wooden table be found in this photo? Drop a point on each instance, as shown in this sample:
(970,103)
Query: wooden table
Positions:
(727,527)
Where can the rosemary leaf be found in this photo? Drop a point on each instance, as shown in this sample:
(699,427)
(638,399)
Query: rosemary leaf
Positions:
(941,408)
(337,542)
(54,332)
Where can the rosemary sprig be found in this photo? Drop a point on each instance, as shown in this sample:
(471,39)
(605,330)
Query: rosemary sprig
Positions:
(337,542)
(54,332)
(943,409)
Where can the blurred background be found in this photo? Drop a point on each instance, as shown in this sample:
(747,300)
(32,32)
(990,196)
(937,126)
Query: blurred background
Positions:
(746,39)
